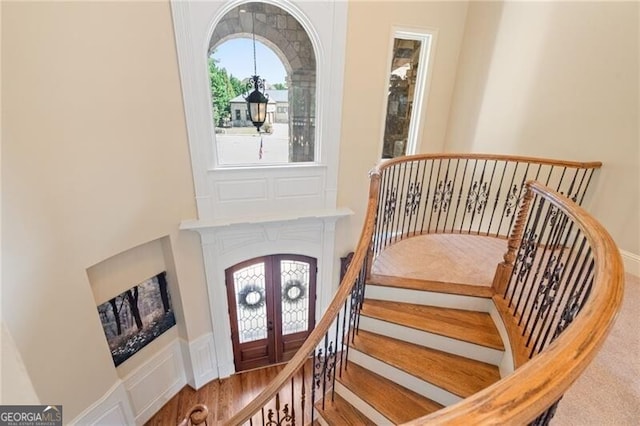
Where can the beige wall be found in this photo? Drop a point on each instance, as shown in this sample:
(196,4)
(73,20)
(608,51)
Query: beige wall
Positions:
(94,162)
(369,33)
(95,159)
(556,79)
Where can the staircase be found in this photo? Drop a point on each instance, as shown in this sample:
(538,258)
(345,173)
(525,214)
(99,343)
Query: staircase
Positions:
(421,345)
(415,332)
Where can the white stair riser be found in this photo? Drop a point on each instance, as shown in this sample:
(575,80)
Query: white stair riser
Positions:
(402,378)
(431,340)
(506,366)
(361,405)
(318,415)
(444,300)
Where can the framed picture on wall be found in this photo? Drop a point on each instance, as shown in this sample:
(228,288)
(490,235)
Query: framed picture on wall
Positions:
(136,317)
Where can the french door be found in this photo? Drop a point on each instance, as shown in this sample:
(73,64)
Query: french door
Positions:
(271,308)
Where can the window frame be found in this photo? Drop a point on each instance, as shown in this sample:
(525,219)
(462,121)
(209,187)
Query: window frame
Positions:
(427,38)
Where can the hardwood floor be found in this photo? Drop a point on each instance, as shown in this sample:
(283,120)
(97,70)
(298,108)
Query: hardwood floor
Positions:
(228,396)
(452,258)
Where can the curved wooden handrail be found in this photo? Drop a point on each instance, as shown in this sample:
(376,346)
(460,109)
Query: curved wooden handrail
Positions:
(511,158)
(197,415)
(318,333)
(520,397)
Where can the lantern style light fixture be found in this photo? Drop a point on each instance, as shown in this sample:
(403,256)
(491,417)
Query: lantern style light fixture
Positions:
(256,100)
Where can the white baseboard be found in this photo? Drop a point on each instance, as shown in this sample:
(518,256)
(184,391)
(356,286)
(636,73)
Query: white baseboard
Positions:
(112,409)
(155,382)
(202,356)
(631,262)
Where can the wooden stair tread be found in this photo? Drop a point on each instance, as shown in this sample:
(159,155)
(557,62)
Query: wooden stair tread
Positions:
(458,375)
(468,326)
(340,412)
(395,402)
(434,286)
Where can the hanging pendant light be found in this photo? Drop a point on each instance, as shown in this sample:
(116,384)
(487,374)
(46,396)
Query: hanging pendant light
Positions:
(256,100)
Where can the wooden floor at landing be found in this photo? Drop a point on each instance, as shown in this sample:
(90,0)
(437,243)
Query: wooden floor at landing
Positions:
(226,397)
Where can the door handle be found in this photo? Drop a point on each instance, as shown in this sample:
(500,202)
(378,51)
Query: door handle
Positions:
(270,325)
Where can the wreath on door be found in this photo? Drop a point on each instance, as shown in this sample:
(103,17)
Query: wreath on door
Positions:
(251,297)
(293,291)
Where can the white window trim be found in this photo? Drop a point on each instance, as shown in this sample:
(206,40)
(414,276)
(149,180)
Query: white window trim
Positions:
(427,37)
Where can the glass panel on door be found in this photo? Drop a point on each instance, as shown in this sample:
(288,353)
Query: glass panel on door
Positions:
(294,279)
(251,307)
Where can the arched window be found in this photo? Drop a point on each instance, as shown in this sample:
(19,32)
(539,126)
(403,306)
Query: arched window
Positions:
(284,53)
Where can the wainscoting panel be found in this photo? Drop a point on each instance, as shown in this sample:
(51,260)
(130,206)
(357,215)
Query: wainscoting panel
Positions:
(155,382)
(286,188)
(112,409)
(203,360)
(242,190)
(250,194)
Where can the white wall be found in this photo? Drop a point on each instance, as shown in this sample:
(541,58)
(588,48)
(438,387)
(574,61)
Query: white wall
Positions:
(94,162)
(559,80)
(15,385)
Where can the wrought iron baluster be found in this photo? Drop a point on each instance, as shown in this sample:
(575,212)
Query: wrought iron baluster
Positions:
(486,198)
(435,192)
(468,201)
(426,203)
(559,186)
(522,188)
(404,195)
(498,192)
(508,193)
(324,369)
(314,364)
(528,252)
(591,171)
(542,338)
(450,195)
(344,343)
(455,215)
(423,199)
(578,297)
(293,405)
(535,285)
(551,279)
(335,358)
(399,226)
(478,196)
(414,194)
(303,396)
(440,202)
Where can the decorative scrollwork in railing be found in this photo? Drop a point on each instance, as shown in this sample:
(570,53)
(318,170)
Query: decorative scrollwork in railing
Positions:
(442,196)
(390,204)
(478,196)
(414,194)
(512,201)
(464,193)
